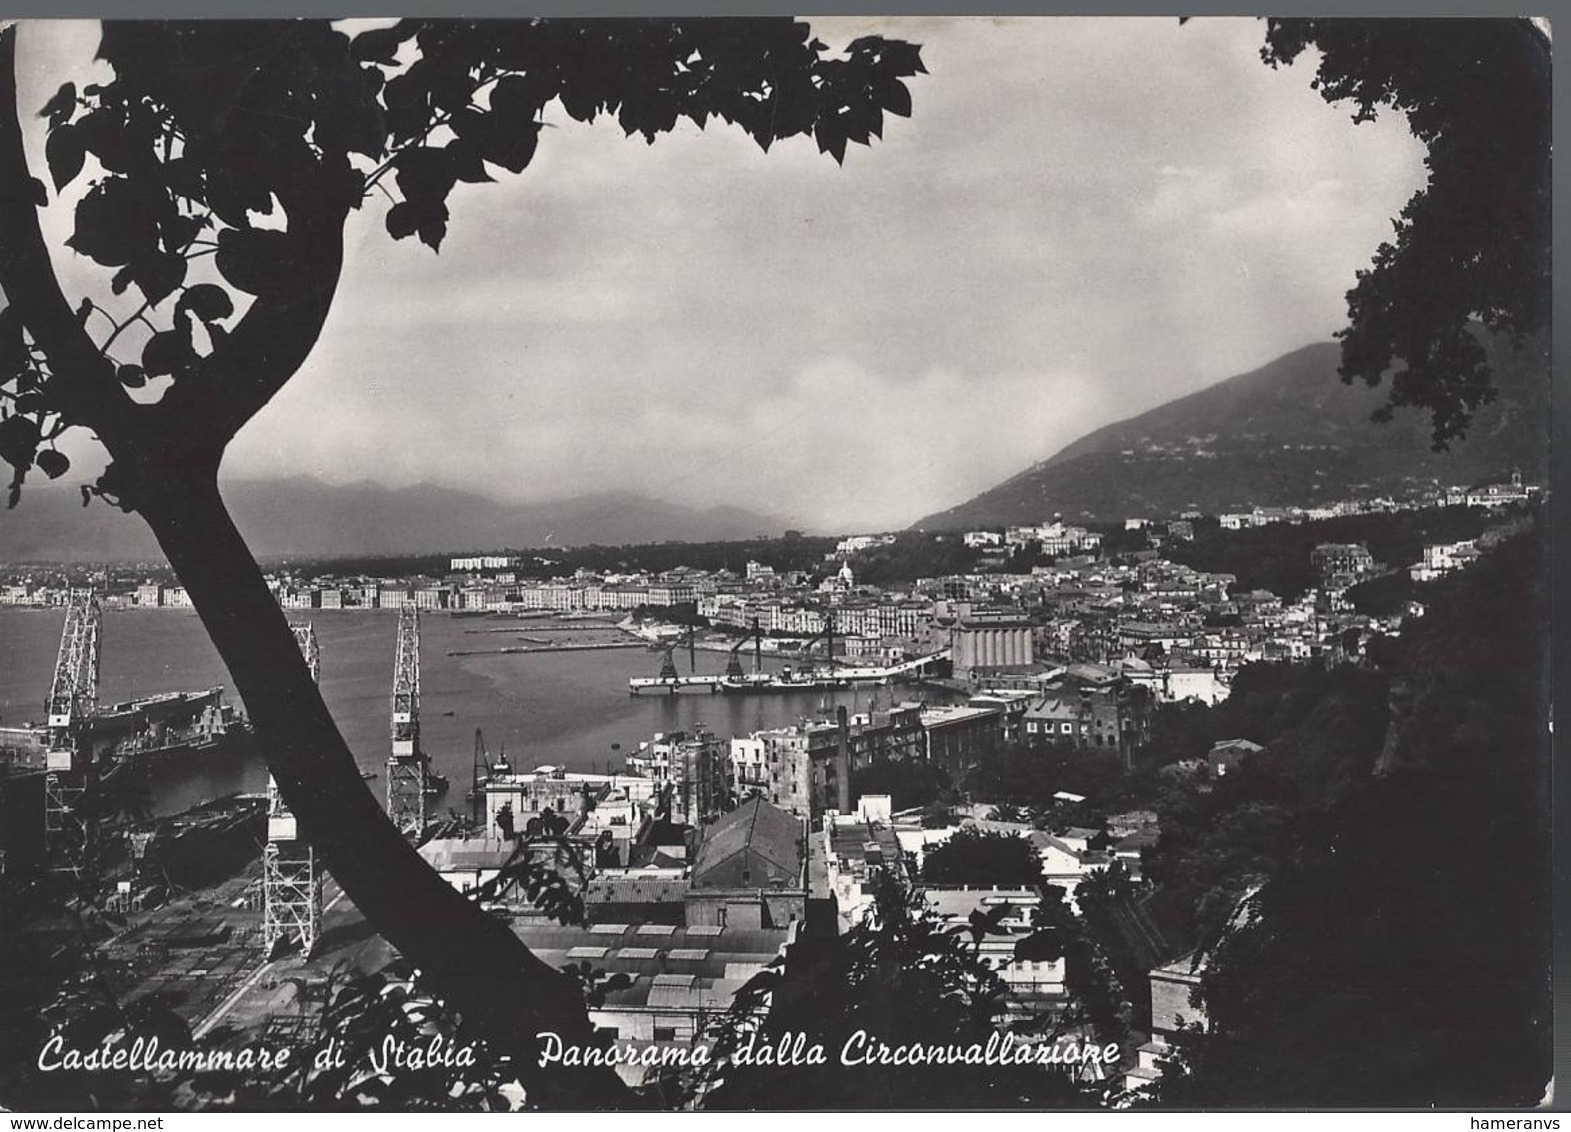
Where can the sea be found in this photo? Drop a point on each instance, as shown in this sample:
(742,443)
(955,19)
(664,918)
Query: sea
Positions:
(569,709)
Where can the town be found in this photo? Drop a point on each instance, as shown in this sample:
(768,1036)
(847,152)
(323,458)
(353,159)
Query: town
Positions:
(1059,656)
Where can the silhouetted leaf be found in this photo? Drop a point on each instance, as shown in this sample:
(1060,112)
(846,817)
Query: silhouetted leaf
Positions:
(18,441)
(168,352)
(402,220)
(379,45)
(208,301)
(61,106)
(257,261)
(184,176)
(178,231)
(65,154)
(116,222)
(425,174)
(510,144)
(158,275)
(53,464)
(465,155)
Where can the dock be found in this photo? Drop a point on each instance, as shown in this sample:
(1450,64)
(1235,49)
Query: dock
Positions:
(759,683)
(514,650)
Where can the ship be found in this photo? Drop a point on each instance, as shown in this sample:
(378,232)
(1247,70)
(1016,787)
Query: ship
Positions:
(204,845)
(146,733)
(669,683)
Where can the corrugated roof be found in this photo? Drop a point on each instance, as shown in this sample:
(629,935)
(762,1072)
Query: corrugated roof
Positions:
(467,853)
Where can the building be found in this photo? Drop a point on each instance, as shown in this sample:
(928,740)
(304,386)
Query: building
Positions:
(1112,715)
(1175,1006)
(807,769)
(467,863)
(680,978)
(1034,984)
(750,870)
(1227,754)
(961,736)
(693,766)
(848,856)
(1500,494)
(1338,562)
(560,791)
(983,644)
(855,543)
(475,563)
(1442,558)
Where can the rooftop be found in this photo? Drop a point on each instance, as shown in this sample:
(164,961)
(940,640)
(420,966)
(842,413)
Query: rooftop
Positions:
(770,832)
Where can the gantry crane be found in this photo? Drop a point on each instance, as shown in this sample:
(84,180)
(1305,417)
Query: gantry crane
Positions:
(733,668)
(71,771)
(668,666)
(827,635)
(407,768)
(291,882)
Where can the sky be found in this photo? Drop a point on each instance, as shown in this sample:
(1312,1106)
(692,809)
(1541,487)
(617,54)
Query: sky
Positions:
(1083,218)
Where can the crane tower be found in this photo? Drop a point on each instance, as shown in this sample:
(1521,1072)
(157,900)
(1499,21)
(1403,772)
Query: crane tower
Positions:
(407,767)
(70,830)
(291,882)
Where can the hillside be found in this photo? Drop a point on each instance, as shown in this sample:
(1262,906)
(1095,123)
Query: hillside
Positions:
(303,517)
(1287,433)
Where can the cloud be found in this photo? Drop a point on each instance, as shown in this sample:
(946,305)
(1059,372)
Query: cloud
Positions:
(1082,218)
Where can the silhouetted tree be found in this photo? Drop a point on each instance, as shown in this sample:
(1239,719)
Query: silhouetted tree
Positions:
(1474,242)
(203,128)
(902,977)
(1343,986)
(982,857)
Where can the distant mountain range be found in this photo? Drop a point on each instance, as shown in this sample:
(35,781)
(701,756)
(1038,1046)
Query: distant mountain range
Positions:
(1289,433)
(302,517)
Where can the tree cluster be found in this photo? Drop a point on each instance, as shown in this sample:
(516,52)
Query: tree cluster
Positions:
(1400,952)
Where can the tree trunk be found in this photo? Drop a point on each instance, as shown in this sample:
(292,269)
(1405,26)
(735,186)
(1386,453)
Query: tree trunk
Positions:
(472,960)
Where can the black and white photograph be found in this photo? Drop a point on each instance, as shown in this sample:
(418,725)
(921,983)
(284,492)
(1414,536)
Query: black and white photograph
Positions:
(721,563)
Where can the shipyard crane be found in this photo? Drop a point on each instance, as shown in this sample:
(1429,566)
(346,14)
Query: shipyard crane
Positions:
(733,668)
(827,635)
(71,771)
(408,769)
(291,881)
(668,666)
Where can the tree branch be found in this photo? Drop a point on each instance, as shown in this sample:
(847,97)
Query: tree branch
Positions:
(276,335)
(83,380)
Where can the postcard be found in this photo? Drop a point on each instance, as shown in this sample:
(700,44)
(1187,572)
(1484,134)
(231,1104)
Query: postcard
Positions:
(746,563)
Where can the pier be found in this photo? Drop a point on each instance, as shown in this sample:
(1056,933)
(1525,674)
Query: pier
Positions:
(916,668)
(513,650)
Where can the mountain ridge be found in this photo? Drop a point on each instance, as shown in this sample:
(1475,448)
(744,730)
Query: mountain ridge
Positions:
(300,516)
(1286,433)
